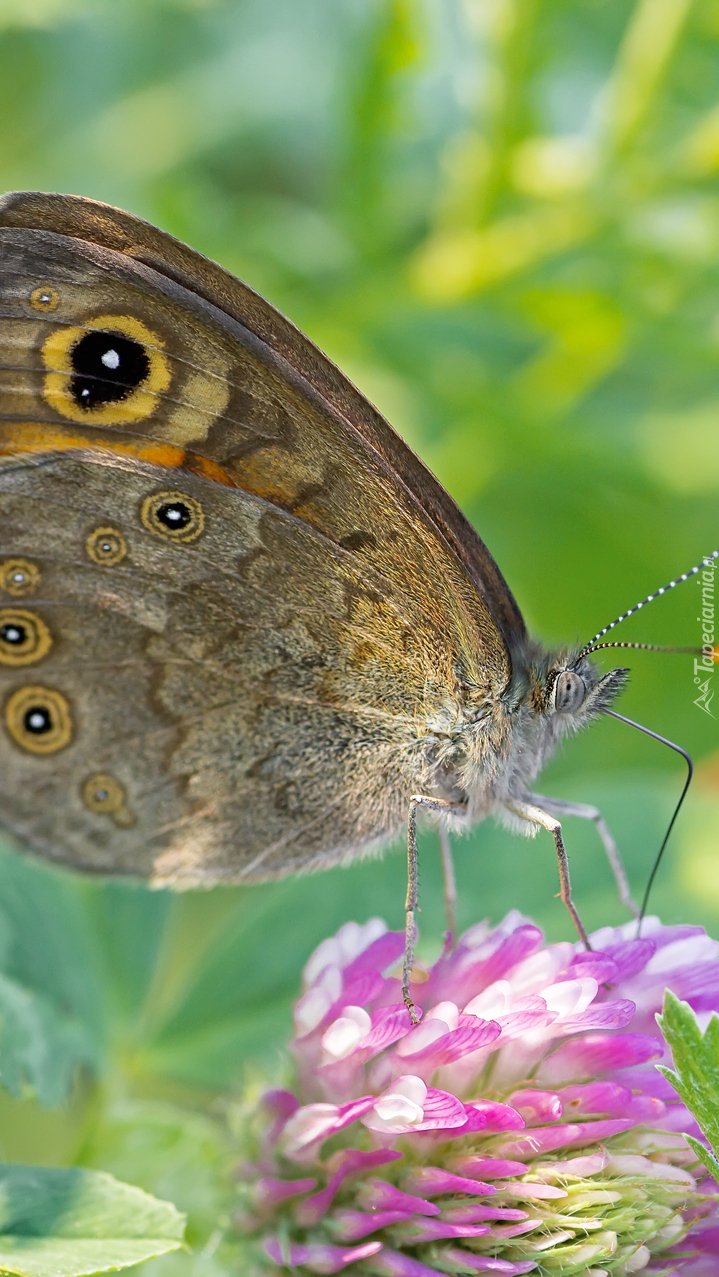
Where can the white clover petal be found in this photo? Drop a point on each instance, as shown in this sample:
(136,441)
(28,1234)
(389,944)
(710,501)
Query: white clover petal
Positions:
(495,1000)
(401,1105)
(638,1260)
(307,1125)
(316,1002)
(346,1032)
(570,997)
(541,968)
(421,1036)
(682,953)
(445,1011)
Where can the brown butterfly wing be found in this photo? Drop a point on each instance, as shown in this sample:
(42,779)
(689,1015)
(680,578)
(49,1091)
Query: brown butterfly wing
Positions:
(258,687)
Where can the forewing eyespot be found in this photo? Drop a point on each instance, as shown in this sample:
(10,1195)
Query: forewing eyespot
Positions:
(110,371)
(39,719)
(173,515)
(44,299)
(106,546)
(19,577)
(103,794)
(24,637)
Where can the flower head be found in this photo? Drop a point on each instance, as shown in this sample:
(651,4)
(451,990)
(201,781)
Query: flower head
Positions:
(520,1126)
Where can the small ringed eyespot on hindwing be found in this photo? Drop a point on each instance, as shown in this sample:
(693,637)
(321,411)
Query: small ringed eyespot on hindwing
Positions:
(39,719)
(105,795)
(24,637)
(106,546)
(19,577)
(44,298)
(109,371)
(173,515)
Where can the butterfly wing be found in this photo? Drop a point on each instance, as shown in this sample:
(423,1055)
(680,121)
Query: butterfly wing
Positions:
(239,622)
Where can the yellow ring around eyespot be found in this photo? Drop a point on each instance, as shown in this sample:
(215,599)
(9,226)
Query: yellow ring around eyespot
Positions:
(151,505)
(44,299)
(106,546)
(103,794)
(139,403)
(35,697)
(38,639)
(19,577)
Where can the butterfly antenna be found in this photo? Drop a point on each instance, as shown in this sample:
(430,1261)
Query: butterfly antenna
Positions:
(594,645)
(690,772)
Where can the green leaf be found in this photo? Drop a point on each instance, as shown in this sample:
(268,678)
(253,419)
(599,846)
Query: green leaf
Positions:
(38,1045)
(696,1070)
(71,1222)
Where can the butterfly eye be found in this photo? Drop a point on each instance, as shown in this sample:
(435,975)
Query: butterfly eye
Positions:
(569,692)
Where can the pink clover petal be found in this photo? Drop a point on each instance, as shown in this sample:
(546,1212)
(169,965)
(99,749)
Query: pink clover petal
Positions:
(394,1263)
(603,1015)
(593,1098)
(460,1260)
(352,1225)
(349,1161)
(269,1192)
(283,1104)
(631,956)
(433,1181)
(597,1053)
(388,1024)
(418,1230)
(378,956)
(450,1046)
(537,1106)
(600,966)
(378,1194)
(467,972)
(319,1257)
(474,1212)
(545,1139)
(485,1167)
(498,1117)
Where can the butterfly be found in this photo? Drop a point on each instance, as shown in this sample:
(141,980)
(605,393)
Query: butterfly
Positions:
(244,632)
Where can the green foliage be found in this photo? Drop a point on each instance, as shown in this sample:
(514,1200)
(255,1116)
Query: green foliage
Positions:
(696,1070)
(502,220)
(73,1221)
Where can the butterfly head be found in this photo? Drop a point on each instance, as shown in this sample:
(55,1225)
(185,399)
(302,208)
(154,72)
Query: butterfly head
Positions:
(574,690)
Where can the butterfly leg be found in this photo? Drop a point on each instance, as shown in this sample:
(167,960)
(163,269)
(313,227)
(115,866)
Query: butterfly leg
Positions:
(536,816)
(558,807)
(450,884)
(429,804)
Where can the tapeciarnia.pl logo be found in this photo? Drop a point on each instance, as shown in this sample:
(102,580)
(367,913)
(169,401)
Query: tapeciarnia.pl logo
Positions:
(704,666)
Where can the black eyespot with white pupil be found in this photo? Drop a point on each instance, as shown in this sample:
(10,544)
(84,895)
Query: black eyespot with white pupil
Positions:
(14,634)
(37,720)
(174,515)
(107,368)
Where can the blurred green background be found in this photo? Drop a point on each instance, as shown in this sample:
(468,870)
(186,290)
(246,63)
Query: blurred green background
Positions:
(501,218)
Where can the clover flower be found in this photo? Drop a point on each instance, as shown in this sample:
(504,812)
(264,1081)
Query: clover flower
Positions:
(521,1126)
